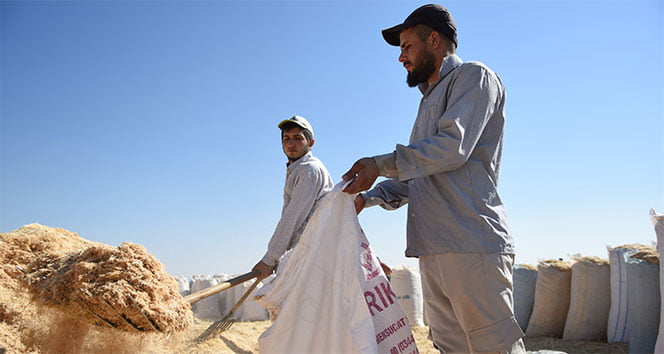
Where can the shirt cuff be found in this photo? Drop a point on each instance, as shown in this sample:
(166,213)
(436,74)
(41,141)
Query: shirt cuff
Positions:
(387,165)
(267,259)
(370,200)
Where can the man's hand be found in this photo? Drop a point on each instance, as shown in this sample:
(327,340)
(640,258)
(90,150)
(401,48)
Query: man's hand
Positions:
(365,172)
(360,202)
(386,268)
(263,269)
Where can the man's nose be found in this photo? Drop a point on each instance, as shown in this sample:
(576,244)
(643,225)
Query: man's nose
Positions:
(402,58)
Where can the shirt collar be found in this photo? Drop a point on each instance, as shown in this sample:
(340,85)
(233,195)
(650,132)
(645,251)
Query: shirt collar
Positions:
(450,62)
(305,157)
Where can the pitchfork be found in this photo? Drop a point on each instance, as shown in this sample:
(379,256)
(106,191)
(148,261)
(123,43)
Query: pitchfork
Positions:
(227,321)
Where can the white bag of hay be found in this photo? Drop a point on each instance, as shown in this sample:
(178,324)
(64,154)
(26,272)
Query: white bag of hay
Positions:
(249,310)
(331,295)
(658,222)
(252,310)
(222,296)
(207,308)
(407,285)
(618,325)
(644,301)
(590,300)
(235,294)
(183,285)
(194,287)
(552,293)
(525,280)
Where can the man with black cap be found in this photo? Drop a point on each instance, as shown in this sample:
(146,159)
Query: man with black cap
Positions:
(448,176)
(307,180)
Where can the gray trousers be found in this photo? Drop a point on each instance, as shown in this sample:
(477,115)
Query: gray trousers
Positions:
(468,303)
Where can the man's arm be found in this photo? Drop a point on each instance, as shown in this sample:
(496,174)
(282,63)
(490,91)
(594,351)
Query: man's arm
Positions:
(305,191)
(475,96)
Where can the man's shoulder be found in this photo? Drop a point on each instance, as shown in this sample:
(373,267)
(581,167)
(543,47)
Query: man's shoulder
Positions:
(311,163)
(473,71)
(474,67)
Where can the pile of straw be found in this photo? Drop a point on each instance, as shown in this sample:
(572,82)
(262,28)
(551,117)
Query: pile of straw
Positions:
(123,287)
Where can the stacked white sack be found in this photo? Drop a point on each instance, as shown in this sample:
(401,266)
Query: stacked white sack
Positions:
(183,285)
(407,286)
(207,308)
(618,324)
(551,299)
(525,280)
(252,310)
(232,297)
(222,296)
(643,299)
(658,222)
(589,300)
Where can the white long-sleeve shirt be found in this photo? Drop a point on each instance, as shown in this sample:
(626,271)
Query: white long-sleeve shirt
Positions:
(307,180)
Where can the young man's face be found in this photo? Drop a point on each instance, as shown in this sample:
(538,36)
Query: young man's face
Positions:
(295,144)
(416,57)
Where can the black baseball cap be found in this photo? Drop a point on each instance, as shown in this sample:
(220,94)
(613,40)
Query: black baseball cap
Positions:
(432,15)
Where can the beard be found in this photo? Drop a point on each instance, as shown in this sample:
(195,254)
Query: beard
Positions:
(423,70)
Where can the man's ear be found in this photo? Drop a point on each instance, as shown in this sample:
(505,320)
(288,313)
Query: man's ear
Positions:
(311,142)
(434,39)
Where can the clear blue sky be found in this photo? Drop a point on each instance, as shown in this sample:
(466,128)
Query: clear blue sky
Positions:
(155,122)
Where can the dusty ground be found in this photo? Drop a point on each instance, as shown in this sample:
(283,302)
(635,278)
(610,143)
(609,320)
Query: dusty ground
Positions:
(59,334)
(28,326)
(575,346)
(242,338)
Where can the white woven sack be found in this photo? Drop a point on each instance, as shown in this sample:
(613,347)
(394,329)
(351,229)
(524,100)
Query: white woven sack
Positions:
(658,222)
(252,310)
(266,282)
(207,308)
(551,302)
(221,297)
(644,305)
(331,295)
(231,296)
(617,326)
(183,285)
(193,287)
(407,285)
(589,301)
(525,280)
(237,293)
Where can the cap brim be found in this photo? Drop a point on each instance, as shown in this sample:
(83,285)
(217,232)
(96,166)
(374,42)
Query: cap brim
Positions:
(281,124)
(299,124)
(391,35)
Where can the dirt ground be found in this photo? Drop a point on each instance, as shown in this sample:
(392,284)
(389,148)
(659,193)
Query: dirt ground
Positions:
(59,334)
(242,337)
(28,326)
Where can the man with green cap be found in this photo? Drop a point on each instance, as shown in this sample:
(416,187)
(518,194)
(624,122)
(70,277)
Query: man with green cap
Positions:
(448,175)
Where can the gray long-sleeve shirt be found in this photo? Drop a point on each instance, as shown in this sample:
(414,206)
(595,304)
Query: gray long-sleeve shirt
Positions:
(448,174)
(307,180)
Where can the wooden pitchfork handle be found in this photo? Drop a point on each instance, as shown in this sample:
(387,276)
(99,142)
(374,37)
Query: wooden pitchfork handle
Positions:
(244,297)
(202,294)
(227,321)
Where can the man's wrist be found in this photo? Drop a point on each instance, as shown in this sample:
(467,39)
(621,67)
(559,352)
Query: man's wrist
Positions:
(269,261)
(387,164)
